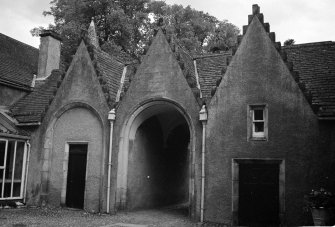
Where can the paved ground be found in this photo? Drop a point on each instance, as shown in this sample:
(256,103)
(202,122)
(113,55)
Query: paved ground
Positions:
(64,217)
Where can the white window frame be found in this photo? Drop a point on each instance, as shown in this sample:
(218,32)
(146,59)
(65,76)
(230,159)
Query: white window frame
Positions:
(3,167)
(252,134)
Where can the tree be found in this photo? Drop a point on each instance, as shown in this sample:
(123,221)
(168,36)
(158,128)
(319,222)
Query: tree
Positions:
(197,31)
(224,37)
(127,26)
(289,42)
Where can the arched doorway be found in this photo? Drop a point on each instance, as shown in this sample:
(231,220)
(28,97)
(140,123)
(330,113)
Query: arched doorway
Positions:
(155,156)
(74,137)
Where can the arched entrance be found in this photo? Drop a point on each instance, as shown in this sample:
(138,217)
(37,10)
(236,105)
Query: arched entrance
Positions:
(155,156)
(74,144)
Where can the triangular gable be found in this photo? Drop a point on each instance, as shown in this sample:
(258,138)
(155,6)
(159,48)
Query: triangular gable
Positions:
(81,82)
(159,74)
(258,73)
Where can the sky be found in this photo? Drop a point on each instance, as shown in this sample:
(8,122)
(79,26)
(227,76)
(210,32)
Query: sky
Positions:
(302,20)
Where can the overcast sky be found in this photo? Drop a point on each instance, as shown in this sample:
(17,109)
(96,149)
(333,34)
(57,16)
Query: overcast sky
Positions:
(302,20)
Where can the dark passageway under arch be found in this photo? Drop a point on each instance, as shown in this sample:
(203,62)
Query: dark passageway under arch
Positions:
(159,162)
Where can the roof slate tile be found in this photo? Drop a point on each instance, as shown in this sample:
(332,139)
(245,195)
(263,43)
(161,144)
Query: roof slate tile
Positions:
(32,107)
(315,63)
(211,68)
(18,62)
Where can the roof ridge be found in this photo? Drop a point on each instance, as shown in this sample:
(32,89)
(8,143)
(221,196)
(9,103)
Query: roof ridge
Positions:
(311,44)
(15,83)
(15,40)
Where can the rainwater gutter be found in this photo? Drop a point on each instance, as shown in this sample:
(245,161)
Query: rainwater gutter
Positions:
(26,173)
(111,118)
(203,118)
(29,124)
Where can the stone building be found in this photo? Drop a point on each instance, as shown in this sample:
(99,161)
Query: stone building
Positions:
(237,137)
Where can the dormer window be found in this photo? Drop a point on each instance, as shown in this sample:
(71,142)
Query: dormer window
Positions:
(257,122)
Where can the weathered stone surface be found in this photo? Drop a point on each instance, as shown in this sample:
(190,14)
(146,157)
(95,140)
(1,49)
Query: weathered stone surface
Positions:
(257,75)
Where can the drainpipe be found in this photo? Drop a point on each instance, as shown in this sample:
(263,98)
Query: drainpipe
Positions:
(111,118)
(26,175)
(203,118)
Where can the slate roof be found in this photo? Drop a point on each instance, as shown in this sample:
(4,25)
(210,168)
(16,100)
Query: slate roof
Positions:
(32,107)
(211,68)
(315,64)
(111,71)
(185,60)
(19,62)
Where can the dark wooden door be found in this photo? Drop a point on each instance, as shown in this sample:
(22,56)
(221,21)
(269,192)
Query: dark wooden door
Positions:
(75,190)
(258,194)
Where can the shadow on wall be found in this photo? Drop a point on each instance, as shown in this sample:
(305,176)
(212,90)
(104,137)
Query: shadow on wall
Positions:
(158,166)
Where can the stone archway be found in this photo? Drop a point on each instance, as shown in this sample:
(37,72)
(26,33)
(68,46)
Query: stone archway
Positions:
(155,157)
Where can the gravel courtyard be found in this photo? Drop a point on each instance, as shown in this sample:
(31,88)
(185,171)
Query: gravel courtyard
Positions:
(65,217)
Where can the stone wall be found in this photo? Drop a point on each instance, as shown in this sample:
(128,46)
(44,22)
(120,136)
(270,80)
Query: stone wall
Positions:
(160,79)
(82,101)
(257,75)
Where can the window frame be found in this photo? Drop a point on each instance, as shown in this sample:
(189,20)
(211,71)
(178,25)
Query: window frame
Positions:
(4,168)
(252,134)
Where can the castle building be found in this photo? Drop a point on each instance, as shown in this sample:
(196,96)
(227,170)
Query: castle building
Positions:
(237,137)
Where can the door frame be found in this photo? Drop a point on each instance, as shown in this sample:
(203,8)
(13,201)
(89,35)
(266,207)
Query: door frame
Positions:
(65,168)
(235,184)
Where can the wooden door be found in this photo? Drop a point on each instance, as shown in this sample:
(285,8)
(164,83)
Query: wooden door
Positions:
(75,190)
(258,194)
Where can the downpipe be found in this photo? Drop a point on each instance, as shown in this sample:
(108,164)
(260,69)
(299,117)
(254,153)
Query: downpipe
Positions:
(26,174)
(111,118)
(203,118)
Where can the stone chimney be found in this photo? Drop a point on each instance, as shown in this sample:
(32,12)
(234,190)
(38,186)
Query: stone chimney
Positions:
(49,56)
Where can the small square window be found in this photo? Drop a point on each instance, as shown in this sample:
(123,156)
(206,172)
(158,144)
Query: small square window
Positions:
(257,123)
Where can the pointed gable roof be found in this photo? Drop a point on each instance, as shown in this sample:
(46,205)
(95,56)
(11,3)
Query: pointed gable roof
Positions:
(31,108)
(161,48)
(160,75)
(257,72)
(92,35)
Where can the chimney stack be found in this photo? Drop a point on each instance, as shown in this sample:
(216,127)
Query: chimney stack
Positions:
(49,55)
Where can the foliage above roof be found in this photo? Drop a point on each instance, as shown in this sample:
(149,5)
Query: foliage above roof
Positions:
(127,26)
(18,62)
(312,65)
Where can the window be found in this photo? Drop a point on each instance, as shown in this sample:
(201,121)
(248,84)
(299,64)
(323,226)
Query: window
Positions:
(257,122)
(12,155)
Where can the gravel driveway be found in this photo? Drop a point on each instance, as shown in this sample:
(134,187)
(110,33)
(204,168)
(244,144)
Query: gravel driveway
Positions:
(66,217)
